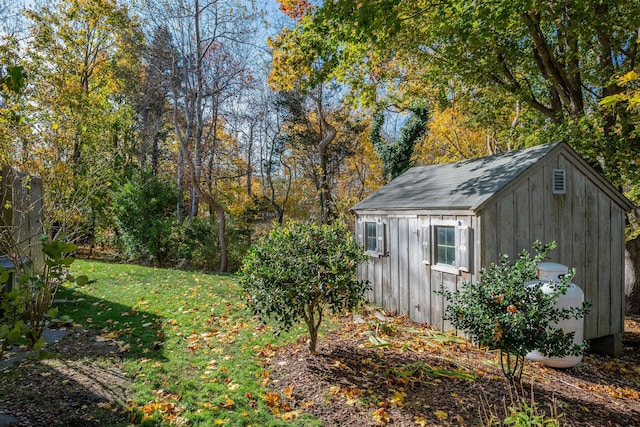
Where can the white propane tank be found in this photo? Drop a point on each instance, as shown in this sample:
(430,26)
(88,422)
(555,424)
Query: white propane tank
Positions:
(548,273)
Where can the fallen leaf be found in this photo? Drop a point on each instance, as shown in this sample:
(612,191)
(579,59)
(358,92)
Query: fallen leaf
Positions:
(272,399)
(420,421)
(441,415)
(291,415)
(398,398)
(381,417)
(288,391)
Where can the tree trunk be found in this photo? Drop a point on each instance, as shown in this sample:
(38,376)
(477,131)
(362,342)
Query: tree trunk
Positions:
(313,324)
(179,172)
(328,133)
(222,227)
(632,276)
(213,204)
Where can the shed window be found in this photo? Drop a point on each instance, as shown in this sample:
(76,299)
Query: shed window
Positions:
(445,245)
(370,236)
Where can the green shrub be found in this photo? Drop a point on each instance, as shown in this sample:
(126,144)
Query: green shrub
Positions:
(502,313)
(296,271)
(145,215)
(197,246)
(26,308)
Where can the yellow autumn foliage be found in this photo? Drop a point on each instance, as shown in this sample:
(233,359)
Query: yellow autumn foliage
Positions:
(451,137)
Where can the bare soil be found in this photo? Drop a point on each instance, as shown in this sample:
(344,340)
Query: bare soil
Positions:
(75,385)
(353,383)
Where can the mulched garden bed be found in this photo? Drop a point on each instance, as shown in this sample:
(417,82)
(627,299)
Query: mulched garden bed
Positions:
(393,379)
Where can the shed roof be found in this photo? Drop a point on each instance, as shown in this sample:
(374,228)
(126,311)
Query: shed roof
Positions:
(464,185)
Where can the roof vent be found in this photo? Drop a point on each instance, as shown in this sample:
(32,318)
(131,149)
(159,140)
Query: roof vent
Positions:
(559,181)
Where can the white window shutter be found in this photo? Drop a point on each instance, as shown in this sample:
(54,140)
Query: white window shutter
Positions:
(464,243)
(360,231)
(426,245)
(382,241)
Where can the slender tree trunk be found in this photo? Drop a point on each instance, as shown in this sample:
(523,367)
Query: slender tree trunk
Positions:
(198,171)
(249,170)
(632,276)
(155,155)
(328,133)
(215,206)
(222,240)
(179,173)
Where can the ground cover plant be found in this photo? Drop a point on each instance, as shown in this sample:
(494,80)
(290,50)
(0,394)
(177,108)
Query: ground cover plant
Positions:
(151,346)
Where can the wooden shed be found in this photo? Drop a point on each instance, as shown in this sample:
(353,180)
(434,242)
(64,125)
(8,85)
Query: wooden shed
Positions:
(441,224)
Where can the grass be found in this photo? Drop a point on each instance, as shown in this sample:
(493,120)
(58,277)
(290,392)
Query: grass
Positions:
(192,348)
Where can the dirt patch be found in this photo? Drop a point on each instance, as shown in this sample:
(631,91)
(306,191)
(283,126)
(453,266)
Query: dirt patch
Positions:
(79,384)
(400,378)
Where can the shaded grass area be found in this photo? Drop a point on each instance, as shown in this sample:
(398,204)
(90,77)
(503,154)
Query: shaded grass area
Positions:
(188,345)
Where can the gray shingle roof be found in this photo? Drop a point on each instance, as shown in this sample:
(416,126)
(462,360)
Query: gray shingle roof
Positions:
(461,185)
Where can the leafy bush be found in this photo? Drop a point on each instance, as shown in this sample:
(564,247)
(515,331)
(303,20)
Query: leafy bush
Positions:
(145,215)
(197,246)
(502,313)
(296,271)
(26,308)
(196,243)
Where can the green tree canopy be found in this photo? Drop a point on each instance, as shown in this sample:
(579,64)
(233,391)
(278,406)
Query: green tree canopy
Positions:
(557,58)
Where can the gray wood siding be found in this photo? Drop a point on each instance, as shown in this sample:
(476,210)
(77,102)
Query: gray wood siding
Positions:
(586,224)
(401,281)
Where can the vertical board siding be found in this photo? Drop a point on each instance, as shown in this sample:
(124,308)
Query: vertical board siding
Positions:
(590,267)
(423,294)
(550,214)
(449,282)
(604,266)
(376,277)
(489,242)
(390,292)
(536,205)
(566,215)
(437,301)
(403,266)
(363,274)
(506,217)
(417,282)
(579,234)
(617,269)
(522,218)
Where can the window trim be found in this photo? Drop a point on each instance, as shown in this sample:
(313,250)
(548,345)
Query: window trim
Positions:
(437,245)
(463,240)
(381,237)
(367,237)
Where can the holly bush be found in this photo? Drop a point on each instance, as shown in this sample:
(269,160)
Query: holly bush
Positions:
(503,313)
(297,271)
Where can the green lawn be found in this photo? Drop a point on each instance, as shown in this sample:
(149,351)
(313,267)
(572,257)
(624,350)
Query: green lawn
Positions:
(191,346)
